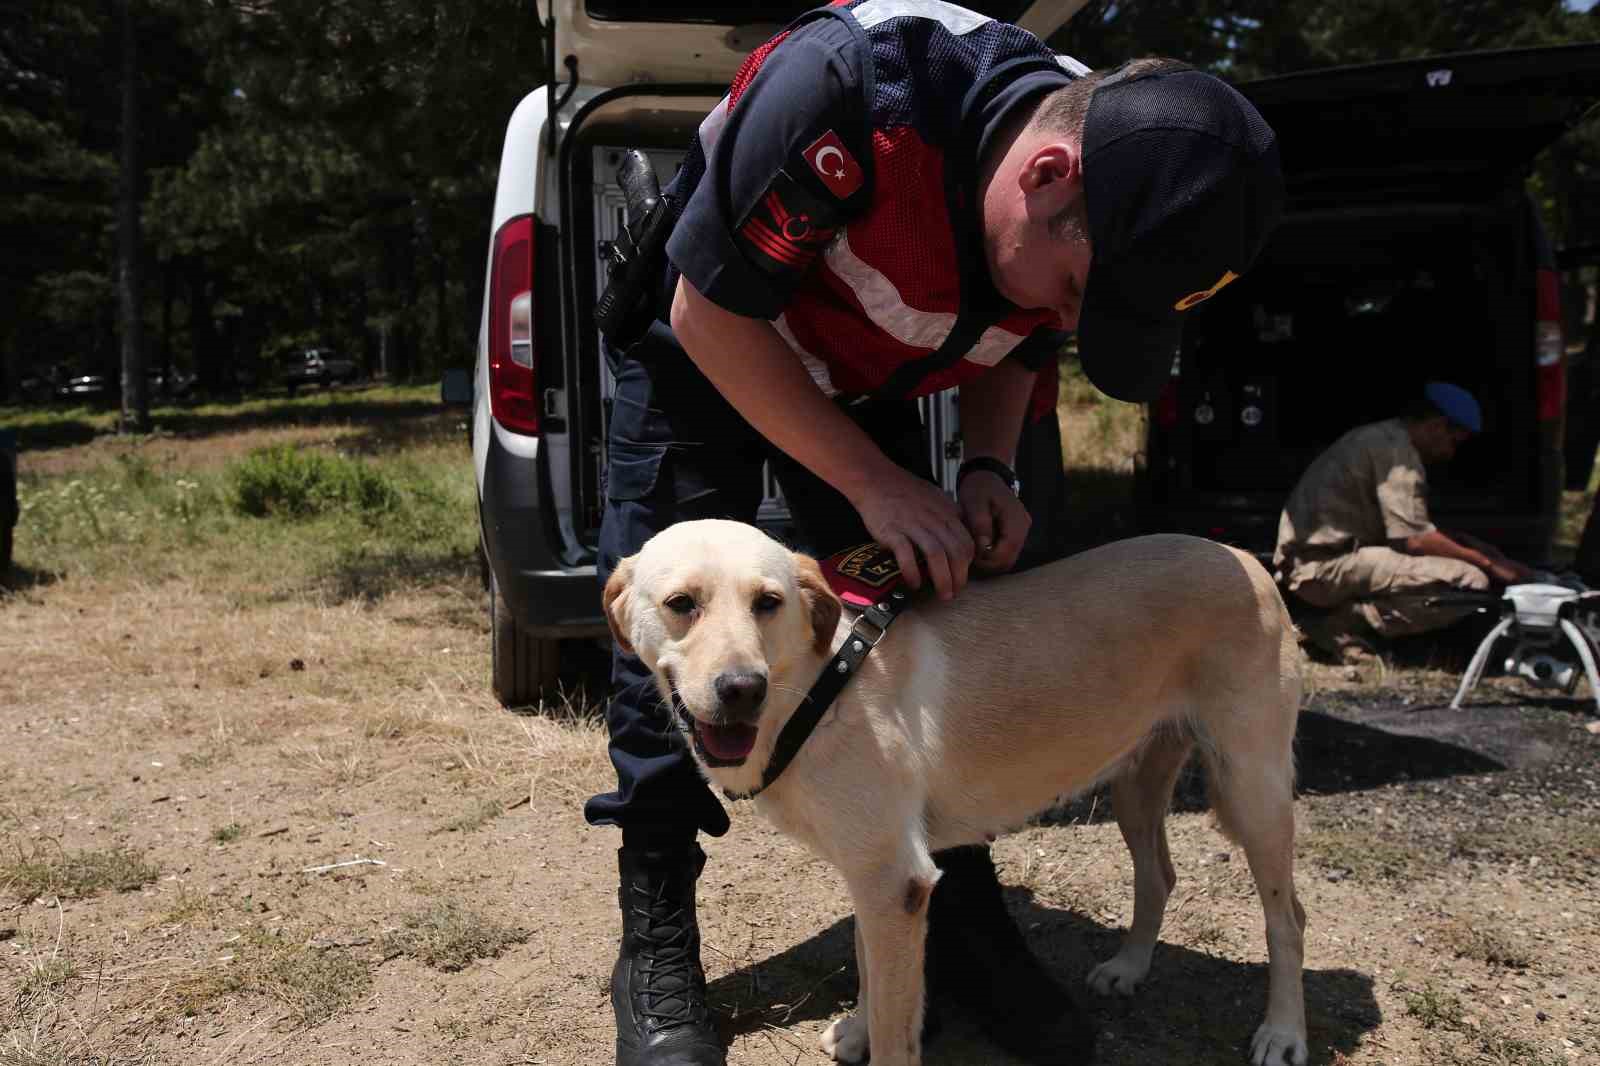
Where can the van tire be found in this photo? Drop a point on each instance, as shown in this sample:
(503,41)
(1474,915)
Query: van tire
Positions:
(523,668)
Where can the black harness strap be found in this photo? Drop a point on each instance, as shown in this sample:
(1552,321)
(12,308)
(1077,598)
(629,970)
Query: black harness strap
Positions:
(868,630)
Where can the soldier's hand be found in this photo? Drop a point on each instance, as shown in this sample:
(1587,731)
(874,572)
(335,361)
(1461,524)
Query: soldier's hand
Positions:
(1510,572)
(908,515)
(997,519)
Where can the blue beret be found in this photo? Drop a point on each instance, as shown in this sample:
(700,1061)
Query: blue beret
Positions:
(1456,404)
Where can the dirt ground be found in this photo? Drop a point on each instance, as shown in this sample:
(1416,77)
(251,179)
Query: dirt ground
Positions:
(181,766)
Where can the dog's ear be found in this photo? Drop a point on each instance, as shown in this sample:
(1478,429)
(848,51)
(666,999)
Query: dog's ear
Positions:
(825,606)
(617,584)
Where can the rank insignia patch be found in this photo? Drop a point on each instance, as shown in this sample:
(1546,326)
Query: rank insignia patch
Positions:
(785,230)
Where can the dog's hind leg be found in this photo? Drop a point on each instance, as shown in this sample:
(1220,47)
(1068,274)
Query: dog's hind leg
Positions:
(1140,797)
(1253,792)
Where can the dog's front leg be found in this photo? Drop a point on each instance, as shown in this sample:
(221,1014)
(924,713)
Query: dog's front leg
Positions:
(846,1039)
(892,930)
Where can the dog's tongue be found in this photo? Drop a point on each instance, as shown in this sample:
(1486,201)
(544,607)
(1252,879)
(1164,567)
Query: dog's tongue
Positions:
(729,742)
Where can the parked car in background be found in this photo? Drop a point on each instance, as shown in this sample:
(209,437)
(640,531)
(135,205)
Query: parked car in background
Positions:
(1410,250)
(98,388)
(317,366)
(638,76)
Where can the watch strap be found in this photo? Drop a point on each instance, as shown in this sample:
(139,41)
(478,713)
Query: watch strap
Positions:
(993,466)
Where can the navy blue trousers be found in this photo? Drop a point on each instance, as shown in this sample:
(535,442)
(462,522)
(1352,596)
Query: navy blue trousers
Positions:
(679,451)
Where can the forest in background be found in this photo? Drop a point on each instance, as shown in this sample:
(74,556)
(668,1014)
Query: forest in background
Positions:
(285,173)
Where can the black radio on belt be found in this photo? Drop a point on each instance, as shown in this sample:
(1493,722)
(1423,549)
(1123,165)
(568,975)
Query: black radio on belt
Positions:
(635,259)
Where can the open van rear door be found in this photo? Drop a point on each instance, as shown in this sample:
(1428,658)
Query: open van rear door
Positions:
(1459,124)
(622,41)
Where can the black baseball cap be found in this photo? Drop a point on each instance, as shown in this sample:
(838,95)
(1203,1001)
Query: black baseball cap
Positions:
(1182,185)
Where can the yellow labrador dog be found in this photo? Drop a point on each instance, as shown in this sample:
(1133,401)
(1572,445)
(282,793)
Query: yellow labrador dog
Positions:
(972,715)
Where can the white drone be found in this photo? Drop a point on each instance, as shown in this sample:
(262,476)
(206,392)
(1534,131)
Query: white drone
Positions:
(1556,629)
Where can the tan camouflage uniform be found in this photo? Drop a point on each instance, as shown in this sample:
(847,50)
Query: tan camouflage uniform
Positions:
(1333,550)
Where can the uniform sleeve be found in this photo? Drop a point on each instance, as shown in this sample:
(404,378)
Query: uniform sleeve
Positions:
(790,163)
(1403,496)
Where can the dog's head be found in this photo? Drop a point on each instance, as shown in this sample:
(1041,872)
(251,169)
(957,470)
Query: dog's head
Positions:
(733,625)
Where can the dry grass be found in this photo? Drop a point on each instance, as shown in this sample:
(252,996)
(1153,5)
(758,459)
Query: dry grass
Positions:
(449,937)
(484,813)
(566,748)
(1485,944)
(1435,1009)
(39,869)
(312,981)
(1360,852)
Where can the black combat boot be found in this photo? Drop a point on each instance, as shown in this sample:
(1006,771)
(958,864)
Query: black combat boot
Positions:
(658,989)
(978,961)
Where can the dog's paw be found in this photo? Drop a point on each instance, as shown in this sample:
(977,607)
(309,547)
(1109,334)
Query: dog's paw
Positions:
(1118,975)
(1275,1045)
(846,1039)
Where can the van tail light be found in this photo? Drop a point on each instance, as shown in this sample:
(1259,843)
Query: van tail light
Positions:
(513,360)
(1166,406)
(1550,364)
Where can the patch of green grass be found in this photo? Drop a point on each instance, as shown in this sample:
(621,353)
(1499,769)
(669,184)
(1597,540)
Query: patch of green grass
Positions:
(393,507)
(40,872)
(226,834)
(314,983)
(101,513)
(475,819)
(284,481)
(448,937)
(1434,1009)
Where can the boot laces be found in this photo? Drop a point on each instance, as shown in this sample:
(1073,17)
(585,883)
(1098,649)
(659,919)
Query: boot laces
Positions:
(673,989)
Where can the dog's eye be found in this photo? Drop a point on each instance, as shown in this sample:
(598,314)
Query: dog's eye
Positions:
(680,604)
(768,602)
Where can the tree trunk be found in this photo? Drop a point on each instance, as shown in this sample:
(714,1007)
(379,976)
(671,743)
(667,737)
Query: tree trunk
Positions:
(135,386)
(204,347)
(169,295)
(442,333)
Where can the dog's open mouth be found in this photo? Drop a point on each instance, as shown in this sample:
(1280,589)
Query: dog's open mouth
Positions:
(728,744)
(719,745)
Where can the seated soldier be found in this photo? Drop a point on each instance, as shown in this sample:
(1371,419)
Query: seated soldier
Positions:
(1355,536)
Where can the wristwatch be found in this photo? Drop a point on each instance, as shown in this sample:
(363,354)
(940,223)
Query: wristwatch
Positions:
(993,466)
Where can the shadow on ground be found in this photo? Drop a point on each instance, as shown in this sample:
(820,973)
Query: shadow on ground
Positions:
(1338,755)
(1333,755)
(387,426)
(1195,1007)
(21,578)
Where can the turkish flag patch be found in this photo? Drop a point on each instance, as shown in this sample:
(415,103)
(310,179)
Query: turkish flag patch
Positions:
(831,161)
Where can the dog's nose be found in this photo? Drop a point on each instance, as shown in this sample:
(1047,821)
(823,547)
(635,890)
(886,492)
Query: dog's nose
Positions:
(741,693)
